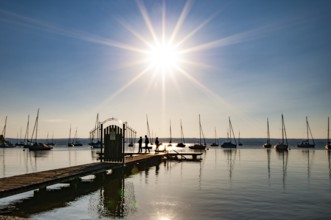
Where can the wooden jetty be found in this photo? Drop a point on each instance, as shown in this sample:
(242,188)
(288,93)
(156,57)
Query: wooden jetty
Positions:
(22,183)
(26,182)
(112,157)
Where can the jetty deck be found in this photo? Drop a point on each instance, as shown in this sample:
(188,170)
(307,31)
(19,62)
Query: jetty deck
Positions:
(26,182)
(22,183)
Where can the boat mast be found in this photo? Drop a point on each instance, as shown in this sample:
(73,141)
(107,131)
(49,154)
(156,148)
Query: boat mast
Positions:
(268,132)
(231,130)
(35,128)
(69,139)
(170,134)
(311,134)
(307,128)
(230,135)
(27,131)
(215,135)
(75,137)
(199,130)
(148,131)
(182,133)
(283,131)
(201,133)
(328,131)
(21,135)
(97,126)
(4,129)
(37,120)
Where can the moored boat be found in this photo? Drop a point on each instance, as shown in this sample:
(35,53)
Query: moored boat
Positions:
(26,136)
(70,142)
(3,142)
(200,145)
(328,144)
(229,144)
(34,144)
(39,146)
(95,141)
(239,142)
(215,144)
(76,143)
(182,140)
(306,143)
(284,144)
(268,144)
(51,143)
(170,139)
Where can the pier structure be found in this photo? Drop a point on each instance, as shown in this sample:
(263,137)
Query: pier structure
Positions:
(112,157)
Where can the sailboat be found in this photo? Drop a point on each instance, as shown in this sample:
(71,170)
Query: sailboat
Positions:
(19,142)
(37,146)
(70,142)
(284,144)
(199,146)
(239,143)
(149,135)
(3,142)
(182,140)
(214,144)
(51,143)
(75,142)
(132,136)
(229,143)
(268,144)
(328,144)
(170,140)
(26,136)
(307,143)
(95,142)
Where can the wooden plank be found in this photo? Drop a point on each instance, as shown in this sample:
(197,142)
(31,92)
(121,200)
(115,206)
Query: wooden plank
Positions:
(26,182)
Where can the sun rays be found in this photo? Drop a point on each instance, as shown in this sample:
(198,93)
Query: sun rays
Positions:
(163,53)
(161,50)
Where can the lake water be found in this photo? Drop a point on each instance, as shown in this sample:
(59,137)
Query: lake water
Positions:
(246,183)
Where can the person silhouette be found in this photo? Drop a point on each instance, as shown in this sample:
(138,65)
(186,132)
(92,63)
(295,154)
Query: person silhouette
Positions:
(140,141)
(146,144)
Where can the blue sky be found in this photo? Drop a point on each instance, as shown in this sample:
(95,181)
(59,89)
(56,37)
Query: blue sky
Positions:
(247,60)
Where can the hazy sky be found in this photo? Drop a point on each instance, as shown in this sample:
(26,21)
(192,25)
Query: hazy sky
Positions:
(247,60)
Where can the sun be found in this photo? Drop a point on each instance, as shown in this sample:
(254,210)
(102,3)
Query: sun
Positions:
(163,57)
(165,53)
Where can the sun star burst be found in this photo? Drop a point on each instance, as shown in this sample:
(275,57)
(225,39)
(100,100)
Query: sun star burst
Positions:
(163,57)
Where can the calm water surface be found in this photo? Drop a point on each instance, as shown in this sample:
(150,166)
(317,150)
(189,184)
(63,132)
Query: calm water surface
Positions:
(246,183)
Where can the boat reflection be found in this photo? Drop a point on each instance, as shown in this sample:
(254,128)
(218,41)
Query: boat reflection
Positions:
(231,159)
(283,155)
(310,159)
(37,154)
(268,157)
(329,162)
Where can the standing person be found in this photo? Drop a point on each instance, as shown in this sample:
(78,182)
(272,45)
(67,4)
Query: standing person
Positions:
(146,144)
(157,144)
(140,141)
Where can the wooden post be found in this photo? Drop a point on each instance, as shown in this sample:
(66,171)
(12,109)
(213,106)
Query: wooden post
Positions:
(101,139)
(123,142)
